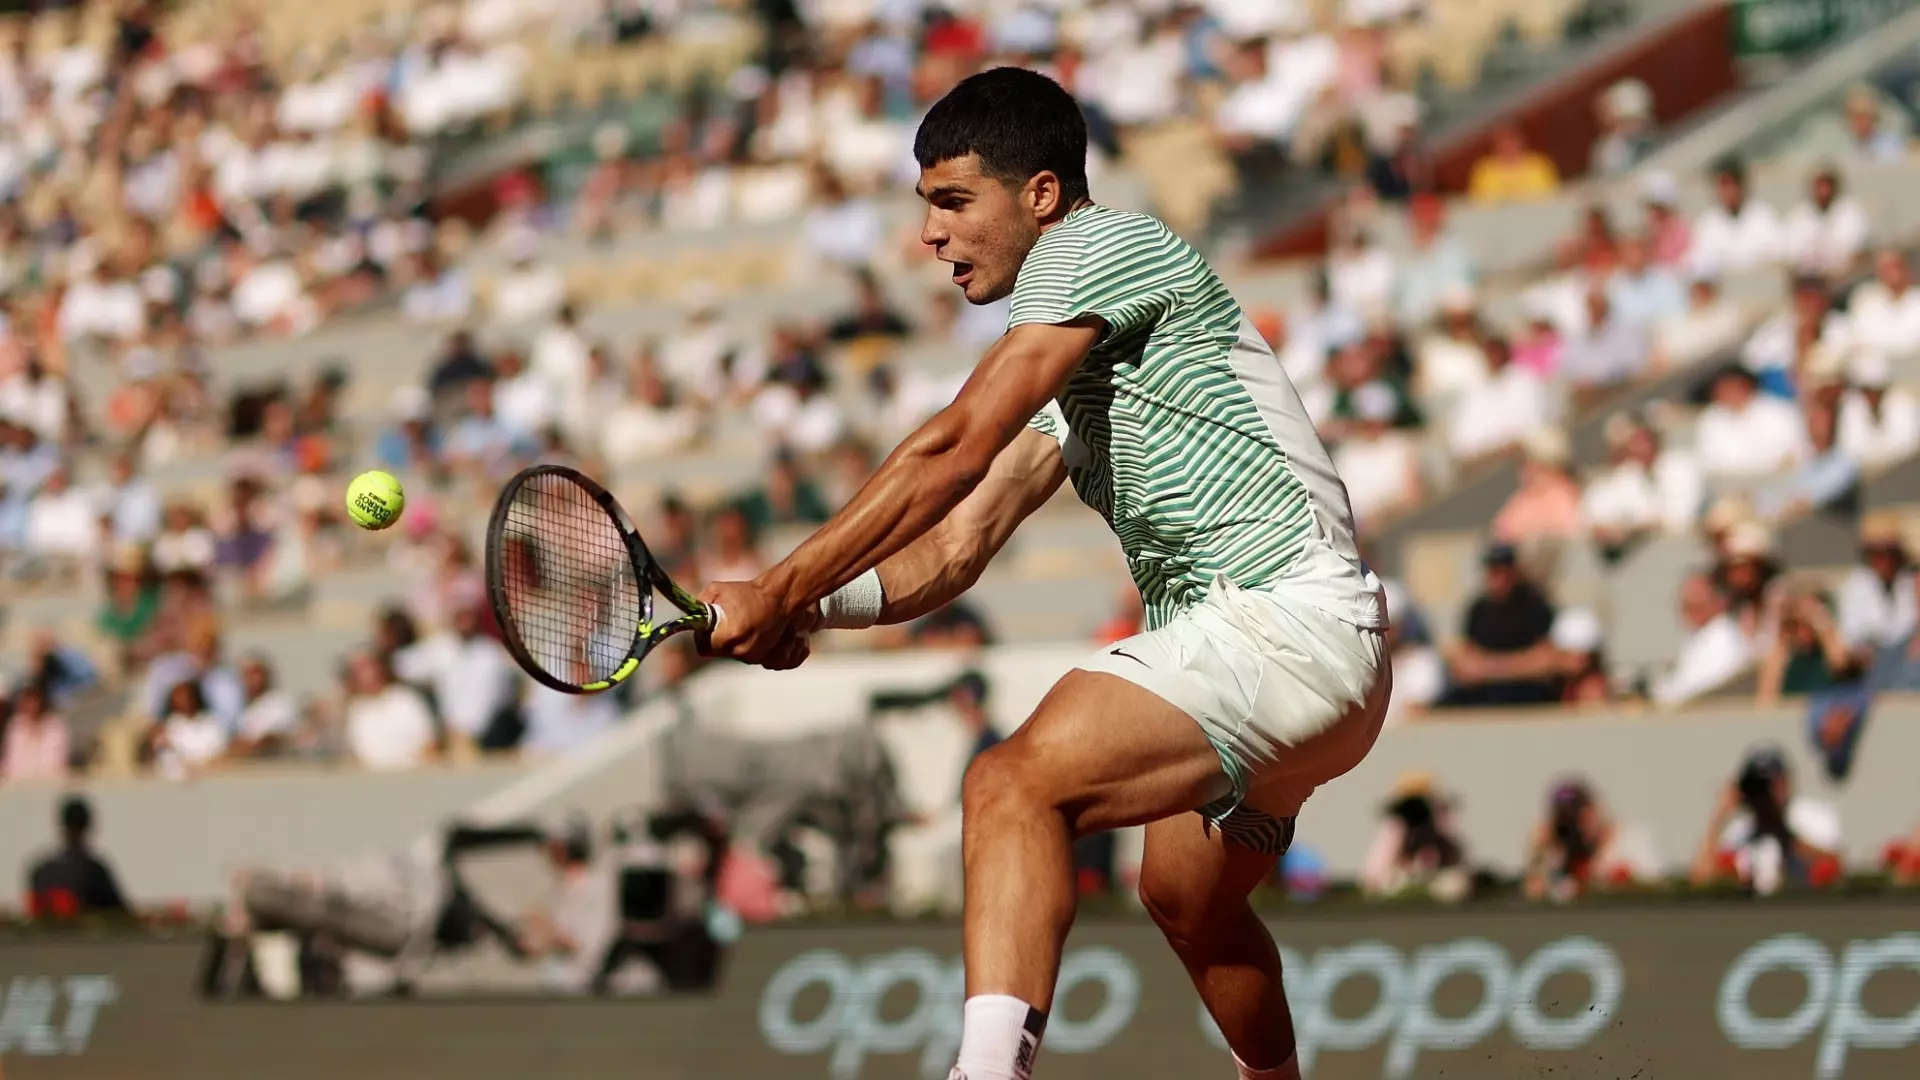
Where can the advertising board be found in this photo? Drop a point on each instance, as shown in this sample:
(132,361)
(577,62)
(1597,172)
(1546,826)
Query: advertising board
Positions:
(1825,990)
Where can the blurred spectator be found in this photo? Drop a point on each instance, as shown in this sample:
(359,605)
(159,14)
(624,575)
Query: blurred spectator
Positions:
(1611,349)
(1669,235)
(786,498)
(1419,671)
(130,607)
(840,229)
(1380,465)
(36,744)
(1646,488)
(1578,636)
(1823,478)
(189,738)
(1743,435)
(872,316)
(387,723)
(1807,653)
(1511,171)
(1763,835)
(130,501)
(1625,113)
(1749,573)
(196,663)
(1711,324)
(531,290)
(523,401)
(62,671)
(1879,422)
(473,680)
(1506,654)
(732,555)
(1546,505)
(1876,606)
(1361,273)
(73,881)
(1872,138)
(1572,850)
(1455,361)
(63,524)
(1417,846)
(1641,294)
(460,363)
(1883,315)
(184,543)
(452,582)
(1828,233)
(1738,233)
(795,409)
(648,422)
(440,294)
(1435,264)
(269,722)
(563,723)
(1777,349)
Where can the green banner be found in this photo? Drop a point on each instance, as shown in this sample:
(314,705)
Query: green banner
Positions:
(1785,27)
(1823,989)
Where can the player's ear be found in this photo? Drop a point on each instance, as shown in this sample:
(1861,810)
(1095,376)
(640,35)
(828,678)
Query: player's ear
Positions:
(1044,197)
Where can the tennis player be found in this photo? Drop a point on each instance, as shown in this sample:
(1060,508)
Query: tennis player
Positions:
(1127,367)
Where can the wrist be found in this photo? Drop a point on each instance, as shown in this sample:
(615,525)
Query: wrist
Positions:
(856,605)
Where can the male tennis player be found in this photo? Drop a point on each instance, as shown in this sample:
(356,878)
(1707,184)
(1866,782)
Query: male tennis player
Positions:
(1128,367)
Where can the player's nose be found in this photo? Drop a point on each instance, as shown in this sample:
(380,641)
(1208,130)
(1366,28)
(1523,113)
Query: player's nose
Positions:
(932,233)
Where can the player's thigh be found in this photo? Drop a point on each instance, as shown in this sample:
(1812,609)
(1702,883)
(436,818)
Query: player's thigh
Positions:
(1190,874)
(1104,751)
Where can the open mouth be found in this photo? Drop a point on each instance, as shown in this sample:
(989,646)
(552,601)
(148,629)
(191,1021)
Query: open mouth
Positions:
(962,273)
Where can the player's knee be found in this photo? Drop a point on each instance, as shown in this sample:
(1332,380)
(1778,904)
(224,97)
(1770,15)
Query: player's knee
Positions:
(1176,906)
(998,780)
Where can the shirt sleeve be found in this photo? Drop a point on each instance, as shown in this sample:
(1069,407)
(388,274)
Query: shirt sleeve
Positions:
(1127,275)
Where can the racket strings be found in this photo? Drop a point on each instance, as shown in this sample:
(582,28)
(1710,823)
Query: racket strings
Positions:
(569,584)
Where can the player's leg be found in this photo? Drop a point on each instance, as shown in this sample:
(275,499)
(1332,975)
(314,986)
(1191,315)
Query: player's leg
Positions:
(1195,882)
(1099,753)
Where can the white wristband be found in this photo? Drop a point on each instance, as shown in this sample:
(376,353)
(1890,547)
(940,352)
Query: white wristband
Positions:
(855,605)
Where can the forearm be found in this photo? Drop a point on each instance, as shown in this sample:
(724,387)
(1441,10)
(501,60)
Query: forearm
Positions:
(930,573)
(919,484)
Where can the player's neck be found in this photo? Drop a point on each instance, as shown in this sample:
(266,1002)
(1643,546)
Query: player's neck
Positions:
(1077,205)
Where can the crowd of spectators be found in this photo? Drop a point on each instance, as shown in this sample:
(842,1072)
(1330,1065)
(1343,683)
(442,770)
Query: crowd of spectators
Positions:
(171,201)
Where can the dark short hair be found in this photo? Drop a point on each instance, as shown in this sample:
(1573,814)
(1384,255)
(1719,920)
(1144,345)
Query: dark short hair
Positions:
(1020,123)
(76,814)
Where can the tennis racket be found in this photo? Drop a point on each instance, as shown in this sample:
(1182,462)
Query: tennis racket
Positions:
(572,584)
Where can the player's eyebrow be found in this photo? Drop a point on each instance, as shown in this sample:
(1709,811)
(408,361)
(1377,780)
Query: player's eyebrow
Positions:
(941,191)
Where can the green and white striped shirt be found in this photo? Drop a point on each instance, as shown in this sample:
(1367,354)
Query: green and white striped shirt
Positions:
(1181,429)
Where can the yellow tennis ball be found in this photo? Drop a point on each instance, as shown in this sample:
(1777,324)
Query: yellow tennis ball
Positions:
(375,500)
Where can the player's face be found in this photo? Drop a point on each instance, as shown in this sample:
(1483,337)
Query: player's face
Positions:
(980,225)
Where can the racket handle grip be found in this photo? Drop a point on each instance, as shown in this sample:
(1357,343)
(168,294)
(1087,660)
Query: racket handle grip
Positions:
(713,617)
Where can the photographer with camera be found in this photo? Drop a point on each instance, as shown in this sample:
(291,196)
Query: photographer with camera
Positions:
(1573,847)
(1417,846)
(1763,835)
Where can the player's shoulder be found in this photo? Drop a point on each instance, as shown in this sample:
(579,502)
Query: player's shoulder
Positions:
(1095,223)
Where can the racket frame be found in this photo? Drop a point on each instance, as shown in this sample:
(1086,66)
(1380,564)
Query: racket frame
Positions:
(698,617)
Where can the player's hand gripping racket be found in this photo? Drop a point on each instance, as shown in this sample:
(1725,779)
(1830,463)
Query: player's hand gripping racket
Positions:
(572,584)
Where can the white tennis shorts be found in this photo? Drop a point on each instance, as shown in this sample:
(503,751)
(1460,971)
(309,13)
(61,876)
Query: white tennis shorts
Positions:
(1290,696)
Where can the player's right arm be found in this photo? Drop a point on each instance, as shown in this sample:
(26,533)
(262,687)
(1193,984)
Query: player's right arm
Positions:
(945,561)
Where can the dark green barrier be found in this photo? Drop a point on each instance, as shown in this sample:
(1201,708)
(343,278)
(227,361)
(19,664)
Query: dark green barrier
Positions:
(1817,990)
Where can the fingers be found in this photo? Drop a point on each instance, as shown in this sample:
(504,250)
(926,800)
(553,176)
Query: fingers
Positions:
(790,653)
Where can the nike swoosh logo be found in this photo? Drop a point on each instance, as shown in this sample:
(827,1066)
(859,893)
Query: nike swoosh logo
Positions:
(1130,656)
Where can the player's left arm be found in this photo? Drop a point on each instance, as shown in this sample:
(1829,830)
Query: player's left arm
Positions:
(939,465)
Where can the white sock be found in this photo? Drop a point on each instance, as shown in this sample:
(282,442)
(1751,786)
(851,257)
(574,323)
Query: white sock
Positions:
(999,1038)
(1286,1070)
